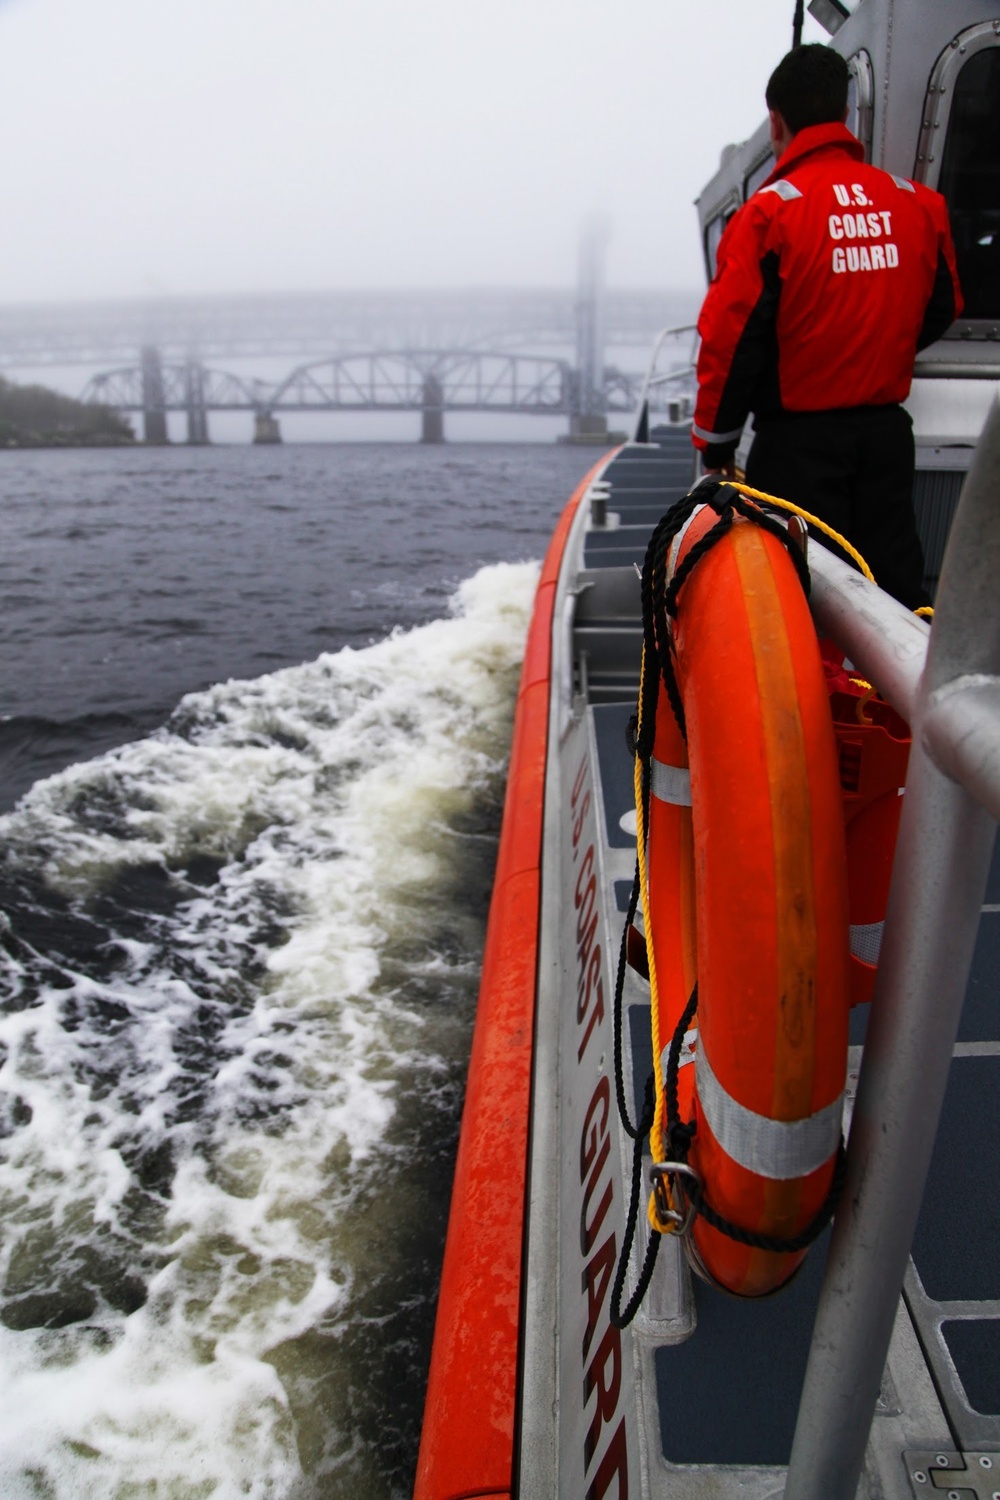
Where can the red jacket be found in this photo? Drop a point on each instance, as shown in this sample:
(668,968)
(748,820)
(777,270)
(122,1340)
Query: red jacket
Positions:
(828,280)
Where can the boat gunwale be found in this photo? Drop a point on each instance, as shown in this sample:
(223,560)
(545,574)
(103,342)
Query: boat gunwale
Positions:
(478,1328)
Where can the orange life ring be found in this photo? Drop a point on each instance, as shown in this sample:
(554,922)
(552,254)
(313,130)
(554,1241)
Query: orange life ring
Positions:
(873,745)
(769,918)
(670,922)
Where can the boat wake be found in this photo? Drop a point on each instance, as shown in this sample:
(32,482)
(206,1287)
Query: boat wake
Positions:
(32,747)
(238,966)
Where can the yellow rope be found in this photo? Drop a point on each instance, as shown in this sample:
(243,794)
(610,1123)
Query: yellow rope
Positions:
(797,510)
(656,1132)
(658,1127)
(926,611)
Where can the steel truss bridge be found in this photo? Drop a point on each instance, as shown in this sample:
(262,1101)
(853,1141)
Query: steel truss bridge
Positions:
(314,325)
(430,381)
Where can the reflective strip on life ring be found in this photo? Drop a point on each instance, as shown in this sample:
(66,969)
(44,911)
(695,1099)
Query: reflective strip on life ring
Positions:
(670,783)
(768,921)
(778,1149)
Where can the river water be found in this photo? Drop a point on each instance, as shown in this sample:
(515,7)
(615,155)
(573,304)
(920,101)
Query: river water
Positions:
(256,705)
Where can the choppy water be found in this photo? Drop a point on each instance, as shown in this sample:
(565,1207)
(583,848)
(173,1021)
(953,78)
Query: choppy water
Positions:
(240,951)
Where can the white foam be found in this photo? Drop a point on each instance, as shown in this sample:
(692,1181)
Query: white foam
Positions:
(330,794)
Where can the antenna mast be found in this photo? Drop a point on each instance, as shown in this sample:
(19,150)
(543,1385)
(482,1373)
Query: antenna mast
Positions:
(797,20)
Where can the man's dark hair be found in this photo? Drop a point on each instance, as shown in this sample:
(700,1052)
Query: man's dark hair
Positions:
(808,87)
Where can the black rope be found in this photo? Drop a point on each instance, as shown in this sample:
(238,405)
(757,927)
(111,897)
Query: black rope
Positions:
(681,1134)
(657,643)
(774,1242)
(630,1129)
(620,1318)
(659,598)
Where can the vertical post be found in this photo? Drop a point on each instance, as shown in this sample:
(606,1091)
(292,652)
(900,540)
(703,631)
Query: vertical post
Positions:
(432,425)
(589,419)
(798,19)
(154,406)
(197,412)
(266,427)
(942,861)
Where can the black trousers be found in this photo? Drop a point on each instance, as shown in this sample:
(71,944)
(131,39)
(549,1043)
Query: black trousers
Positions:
(854,470)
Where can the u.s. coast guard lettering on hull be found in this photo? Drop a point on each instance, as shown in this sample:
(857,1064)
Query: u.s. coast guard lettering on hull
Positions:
(605,1441)
(590,1007)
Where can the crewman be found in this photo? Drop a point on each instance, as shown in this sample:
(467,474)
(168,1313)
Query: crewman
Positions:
(828,280)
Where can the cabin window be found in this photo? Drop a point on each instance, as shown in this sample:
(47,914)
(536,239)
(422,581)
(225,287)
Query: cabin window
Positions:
(970,181)
(831,14)
(760,173)
(713,234)
(860,99)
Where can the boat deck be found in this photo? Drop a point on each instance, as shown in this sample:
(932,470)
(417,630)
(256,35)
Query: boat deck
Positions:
(712,1405)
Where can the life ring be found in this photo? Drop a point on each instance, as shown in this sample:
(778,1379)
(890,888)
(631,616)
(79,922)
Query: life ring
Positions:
(769,918)
(873,746)
(669,918)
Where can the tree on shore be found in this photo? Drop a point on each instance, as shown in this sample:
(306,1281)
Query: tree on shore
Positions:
(32,416)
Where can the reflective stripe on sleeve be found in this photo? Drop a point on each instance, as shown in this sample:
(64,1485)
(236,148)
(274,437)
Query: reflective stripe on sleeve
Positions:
(784,189)
(901,182)
(779,1149)
(715,437)
(670,783)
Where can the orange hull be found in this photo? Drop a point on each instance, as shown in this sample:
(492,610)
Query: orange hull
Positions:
(467,1443)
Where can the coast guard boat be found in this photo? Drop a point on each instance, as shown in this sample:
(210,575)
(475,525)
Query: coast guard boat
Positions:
(874,1370)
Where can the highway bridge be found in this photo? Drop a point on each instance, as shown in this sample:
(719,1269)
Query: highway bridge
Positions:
(531,352)
(313,324)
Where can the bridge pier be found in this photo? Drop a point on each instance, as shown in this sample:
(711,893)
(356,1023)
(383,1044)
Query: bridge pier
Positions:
(197,411)
(432,425)
(154,406)
(587,427)
(430,381)
(266,428)
(588,424)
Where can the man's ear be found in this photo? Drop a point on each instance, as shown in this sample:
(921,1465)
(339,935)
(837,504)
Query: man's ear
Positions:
(780,134)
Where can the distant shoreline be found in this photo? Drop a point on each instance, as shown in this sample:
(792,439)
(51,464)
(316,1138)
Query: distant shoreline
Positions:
(32,416)
(65,440)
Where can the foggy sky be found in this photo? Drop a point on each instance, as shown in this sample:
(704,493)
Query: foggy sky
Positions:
(185,146)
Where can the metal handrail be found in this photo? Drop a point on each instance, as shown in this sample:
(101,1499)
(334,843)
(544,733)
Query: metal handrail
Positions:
(945,843)
(670,375)
(642,413)
(951,369)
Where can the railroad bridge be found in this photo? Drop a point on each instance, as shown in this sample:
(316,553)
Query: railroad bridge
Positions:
(428,381)
(532,352)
